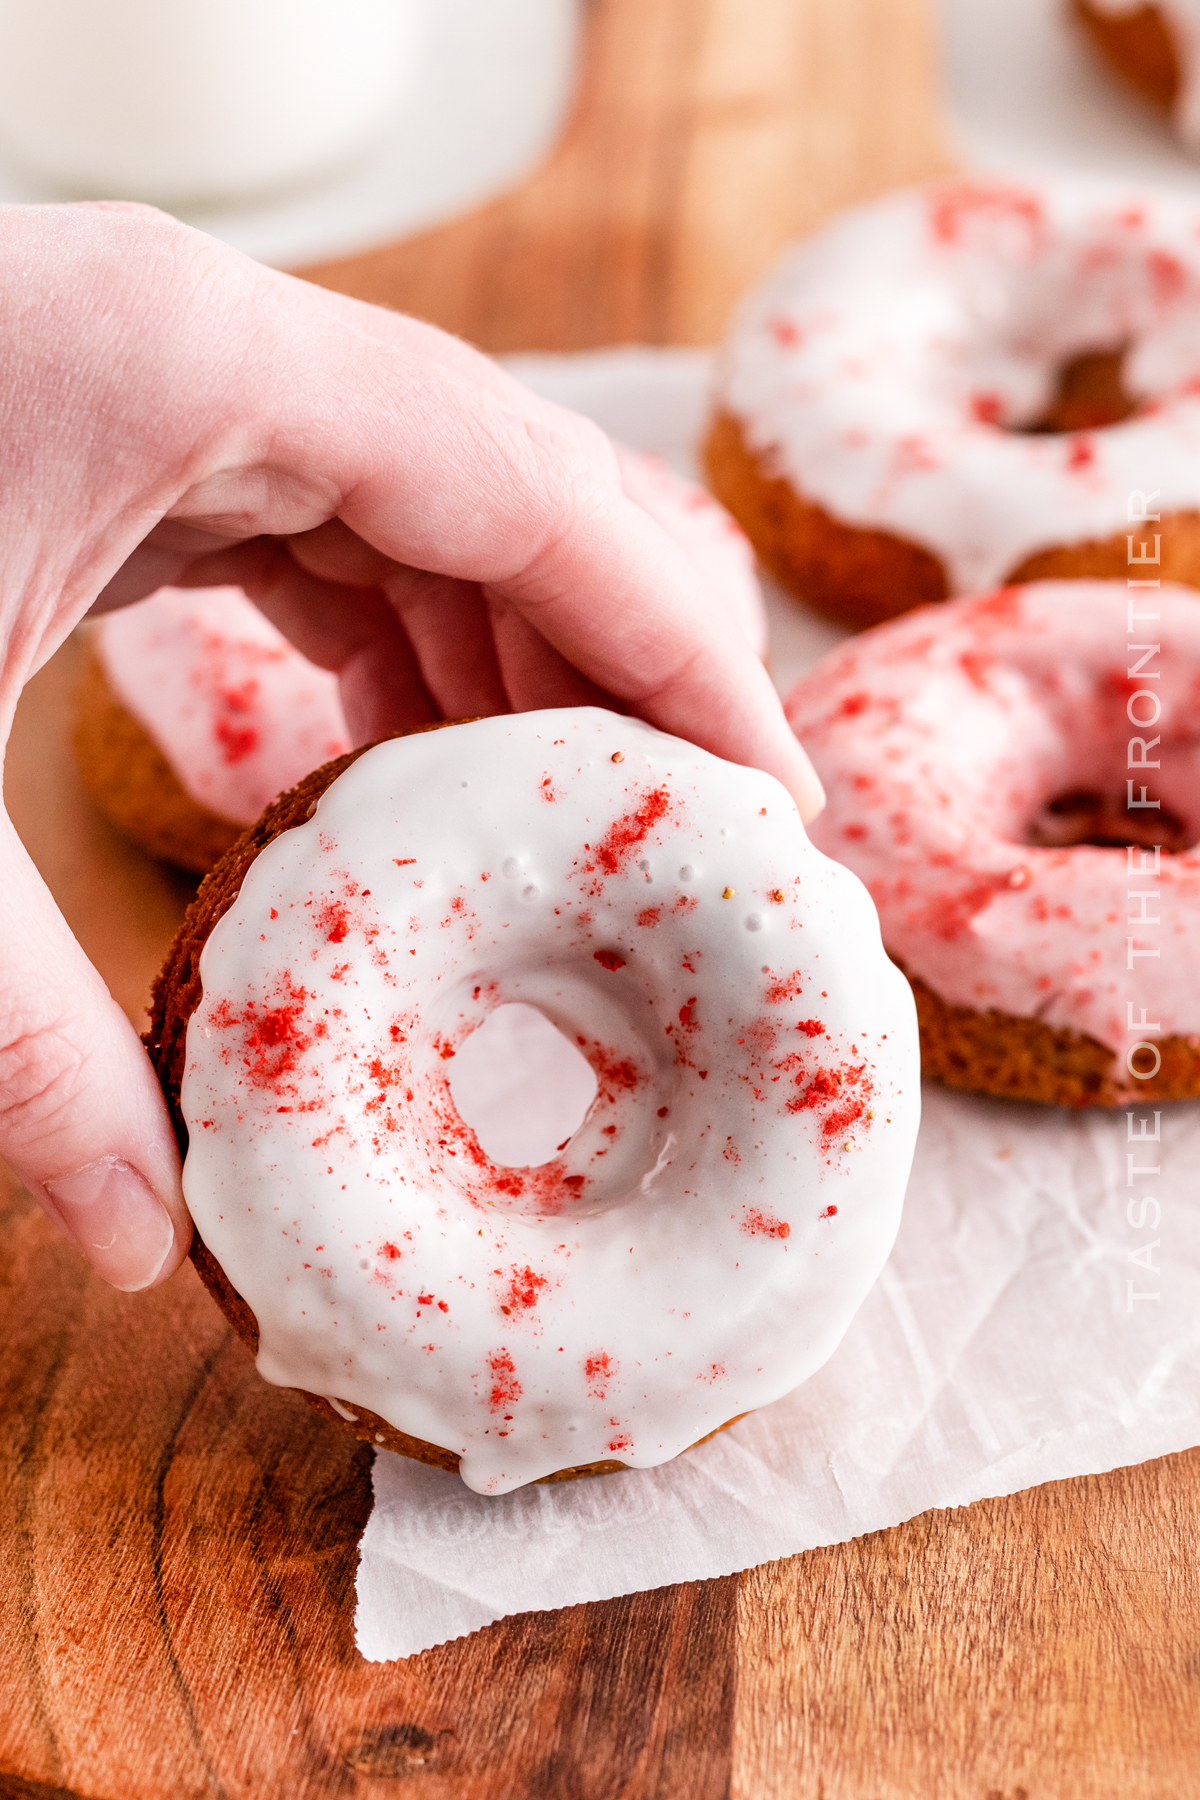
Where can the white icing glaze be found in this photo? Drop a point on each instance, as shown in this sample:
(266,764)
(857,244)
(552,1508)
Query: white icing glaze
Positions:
(237,711)
(938,738)
(1182,19)
(700,1244)
(871,363)
(714,540)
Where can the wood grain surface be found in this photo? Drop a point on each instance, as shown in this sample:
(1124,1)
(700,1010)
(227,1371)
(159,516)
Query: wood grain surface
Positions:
(707,134)
(178,1540)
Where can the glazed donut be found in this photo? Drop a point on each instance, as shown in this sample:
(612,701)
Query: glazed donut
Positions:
(1155,48)
(929,396)
(193,712)
(994,779)
(695,1248)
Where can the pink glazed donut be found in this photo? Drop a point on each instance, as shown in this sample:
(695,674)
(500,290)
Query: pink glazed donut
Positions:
(963,384)
(1016,778)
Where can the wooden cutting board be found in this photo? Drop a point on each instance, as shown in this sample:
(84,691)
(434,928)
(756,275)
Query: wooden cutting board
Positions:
(178,1541)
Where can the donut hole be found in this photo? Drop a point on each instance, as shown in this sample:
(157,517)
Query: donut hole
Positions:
(1067,755)
(522,1087)
(1090,393)
(1089,816)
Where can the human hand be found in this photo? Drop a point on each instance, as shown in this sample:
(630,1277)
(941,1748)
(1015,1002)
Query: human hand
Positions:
(405,512)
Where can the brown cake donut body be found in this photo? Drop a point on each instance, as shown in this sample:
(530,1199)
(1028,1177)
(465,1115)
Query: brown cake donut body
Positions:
(992,1052)
(853,575)
(175,996)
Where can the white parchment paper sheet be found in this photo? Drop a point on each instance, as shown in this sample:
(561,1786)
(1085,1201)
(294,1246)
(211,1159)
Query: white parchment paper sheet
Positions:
(1039,1316)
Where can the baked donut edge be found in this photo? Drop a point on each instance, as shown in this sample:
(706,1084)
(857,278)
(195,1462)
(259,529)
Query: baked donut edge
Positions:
(1016,1058)
(855,576)
(860,577)
(126,775)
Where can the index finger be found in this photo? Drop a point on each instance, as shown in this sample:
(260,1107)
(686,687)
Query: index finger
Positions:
(528,502)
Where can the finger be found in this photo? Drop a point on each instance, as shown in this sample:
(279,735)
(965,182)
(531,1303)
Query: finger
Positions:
(401,332)
(149,567)
(176,554)
(83,1122)
(336,553)
(658,641)
(531,508)
(254,565)
(382,690)
(446,622)
(136,207)
(450,628)
(689,671)
(354,631)
(535,674)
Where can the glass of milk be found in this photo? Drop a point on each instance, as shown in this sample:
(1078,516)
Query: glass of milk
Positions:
(180,101)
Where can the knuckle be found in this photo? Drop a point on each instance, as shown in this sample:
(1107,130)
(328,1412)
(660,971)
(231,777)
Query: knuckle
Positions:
(574,459)
(41,1068)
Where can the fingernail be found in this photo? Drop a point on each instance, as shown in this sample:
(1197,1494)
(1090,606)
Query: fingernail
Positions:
(117,1220)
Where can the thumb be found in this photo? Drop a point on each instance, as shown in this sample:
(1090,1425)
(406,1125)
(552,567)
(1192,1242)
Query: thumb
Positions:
(83,1122)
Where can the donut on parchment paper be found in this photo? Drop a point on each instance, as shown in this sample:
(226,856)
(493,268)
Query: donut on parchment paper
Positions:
(969,383)
(1030,840)
(693,1249)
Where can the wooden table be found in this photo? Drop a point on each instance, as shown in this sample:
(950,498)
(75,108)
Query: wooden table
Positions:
(179,1540)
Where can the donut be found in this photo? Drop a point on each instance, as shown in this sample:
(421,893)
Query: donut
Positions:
(693,1249)
(192,713)
(1016,778)
(964,384)
(1155,49)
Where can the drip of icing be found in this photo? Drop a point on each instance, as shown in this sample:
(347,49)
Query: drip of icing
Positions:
(237,711)
(700,1244)
(940,736)
(879,363)
(1182,19)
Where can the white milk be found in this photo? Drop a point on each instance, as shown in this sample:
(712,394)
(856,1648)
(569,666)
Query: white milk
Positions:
(183,100)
